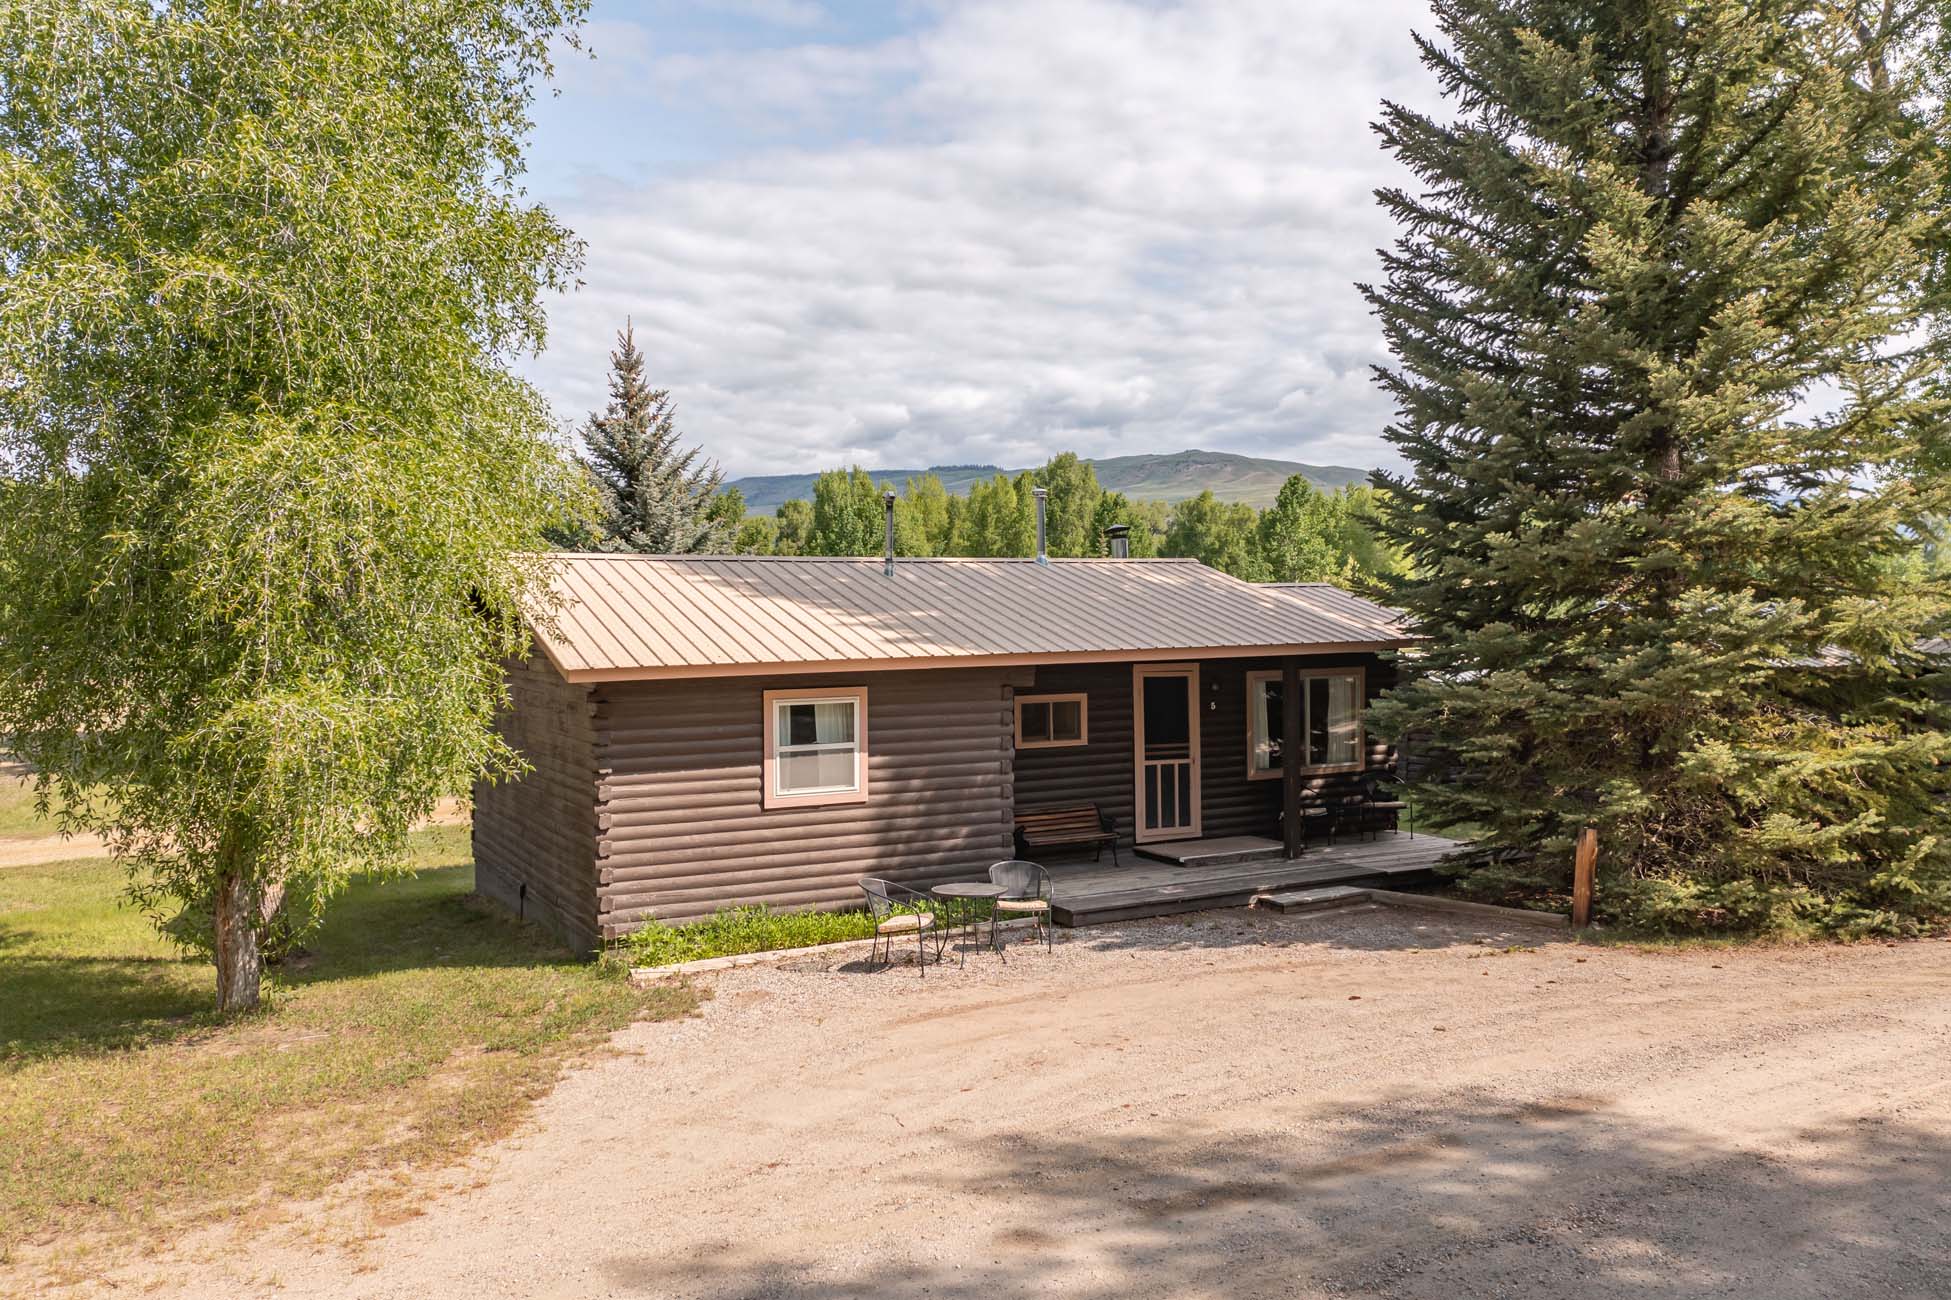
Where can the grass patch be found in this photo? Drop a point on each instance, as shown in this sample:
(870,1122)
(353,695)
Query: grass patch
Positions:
(419,1022)
(740,930)
(1613,935)
(17,813)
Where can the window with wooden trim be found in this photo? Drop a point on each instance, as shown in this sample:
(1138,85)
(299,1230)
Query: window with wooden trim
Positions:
(816,746)
(1331,722)
(1052,721)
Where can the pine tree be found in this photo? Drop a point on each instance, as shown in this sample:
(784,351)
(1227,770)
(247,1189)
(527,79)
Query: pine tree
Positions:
(1664,383)
(657,496)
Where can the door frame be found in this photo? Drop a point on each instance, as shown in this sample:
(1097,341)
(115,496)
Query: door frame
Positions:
(1139,672)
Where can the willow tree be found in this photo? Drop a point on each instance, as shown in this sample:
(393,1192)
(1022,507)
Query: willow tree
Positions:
(268,480)
(1668,389)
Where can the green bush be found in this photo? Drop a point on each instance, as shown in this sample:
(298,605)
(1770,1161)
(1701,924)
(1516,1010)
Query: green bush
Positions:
(741,929)
(1679,906)
(1912,897)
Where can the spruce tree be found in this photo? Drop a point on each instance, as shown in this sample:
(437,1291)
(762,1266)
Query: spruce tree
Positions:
(1666,387)
(657,497)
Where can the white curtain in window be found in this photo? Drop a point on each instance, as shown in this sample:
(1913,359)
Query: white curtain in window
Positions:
(816,749)
(833,723)
(1344,721)
(1267,722)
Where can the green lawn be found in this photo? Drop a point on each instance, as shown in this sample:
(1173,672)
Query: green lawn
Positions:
(17,815)
(420,1022)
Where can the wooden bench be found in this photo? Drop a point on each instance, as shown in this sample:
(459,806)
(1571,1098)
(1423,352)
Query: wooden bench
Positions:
(1065,826)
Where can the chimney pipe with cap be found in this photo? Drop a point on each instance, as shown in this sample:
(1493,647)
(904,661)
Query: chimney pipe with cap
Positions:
(1119,536)
(887,508)
(1042,496)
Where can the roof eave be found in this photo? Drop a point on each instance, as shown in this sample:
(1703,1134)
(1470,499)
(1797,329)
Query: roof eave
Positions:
(800,667)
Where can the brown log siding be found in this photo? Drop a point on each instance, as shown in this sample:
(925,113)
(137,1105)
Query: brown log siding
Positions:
(1099,772)
(1230,804)
(540,831)
(683,830)
(645,799)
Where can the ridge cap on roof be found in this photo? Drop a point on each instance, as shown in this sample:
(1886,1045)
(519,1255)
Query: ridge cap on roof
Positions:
(635,556)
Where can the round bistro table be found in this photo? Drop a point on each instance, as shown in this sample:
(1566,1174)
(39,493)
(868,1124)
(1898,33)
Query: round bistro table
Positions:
(969,896)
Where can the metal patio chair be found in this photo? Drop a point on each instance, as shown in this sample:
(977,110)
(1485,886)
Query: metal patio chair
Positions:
(899,911)
(1382,801)
(1027,893)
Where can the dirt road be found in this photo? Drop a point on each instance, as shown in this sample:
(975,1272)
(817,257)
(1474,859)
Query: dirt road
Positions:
(1356,1104)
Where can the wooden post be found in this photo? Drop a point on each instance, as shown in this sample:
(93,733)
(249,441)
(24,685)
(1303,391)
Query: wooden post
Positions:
(1294,828)
(1585,861)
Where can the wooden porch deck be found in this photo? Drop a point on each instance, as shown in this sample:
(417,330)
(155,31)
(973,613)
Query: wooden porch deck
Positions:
(1084,893)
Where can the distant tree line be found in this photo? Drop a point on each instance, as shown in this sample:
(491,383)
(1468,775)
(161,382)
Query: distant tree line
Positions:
(652,494)
(1307,535)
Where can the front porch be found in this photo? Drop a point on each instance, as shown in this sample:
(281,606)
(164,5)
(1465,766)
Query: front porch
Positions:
(1086,893)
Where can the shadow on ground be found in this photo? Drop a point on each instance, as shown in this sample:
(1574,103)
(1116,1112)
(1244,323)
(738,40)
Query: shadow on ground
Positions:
(1365,928)
(1484,1199)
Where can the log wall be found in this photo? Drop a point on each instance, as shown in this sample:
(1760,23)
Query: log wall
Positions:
(535,838)
(646,797)
(1230,804)
(682,830)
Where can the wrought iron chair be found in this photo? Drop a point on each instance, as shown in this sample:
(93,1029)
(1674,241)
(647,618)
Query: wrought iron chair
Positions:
(1026,889)
(1382,801)
(1312,811)
(899,911)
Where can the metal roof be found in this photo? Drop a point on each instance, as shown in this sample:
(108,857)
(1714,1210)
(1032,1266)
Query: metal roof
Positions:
(629,616)
(1328,596)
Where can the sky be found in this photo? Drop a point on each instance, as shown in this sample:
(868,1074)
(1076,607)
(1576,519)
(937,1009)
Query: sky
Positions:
(908,234)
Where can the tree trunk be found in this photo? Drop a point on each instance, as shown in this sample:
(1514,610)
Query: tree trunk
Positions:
(240,967)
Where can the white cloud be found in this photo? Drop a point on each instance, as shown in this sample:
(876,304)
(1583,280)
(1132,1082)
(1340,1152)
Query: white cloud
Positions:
(1036,225)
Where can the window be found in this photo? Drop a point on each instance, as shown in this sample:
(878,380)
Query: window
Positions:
(1051,721)
(1331,722)
(816,746)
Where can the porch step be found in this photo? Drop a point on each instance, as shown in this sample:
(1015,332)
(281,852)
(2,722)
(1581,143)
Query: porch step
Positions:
(1220,851)
(1312,900)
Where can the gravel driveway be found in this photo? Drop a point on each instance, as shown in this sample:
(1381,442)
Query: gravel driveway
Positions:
(1237,1104)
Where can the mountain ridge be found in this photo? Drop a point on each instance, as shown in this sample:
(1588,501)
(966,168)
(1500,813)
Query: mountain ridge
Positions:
(1146,476)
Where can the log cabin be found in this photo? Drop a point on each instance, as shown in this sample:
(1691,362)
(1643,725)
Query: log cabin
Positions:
(708,731)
